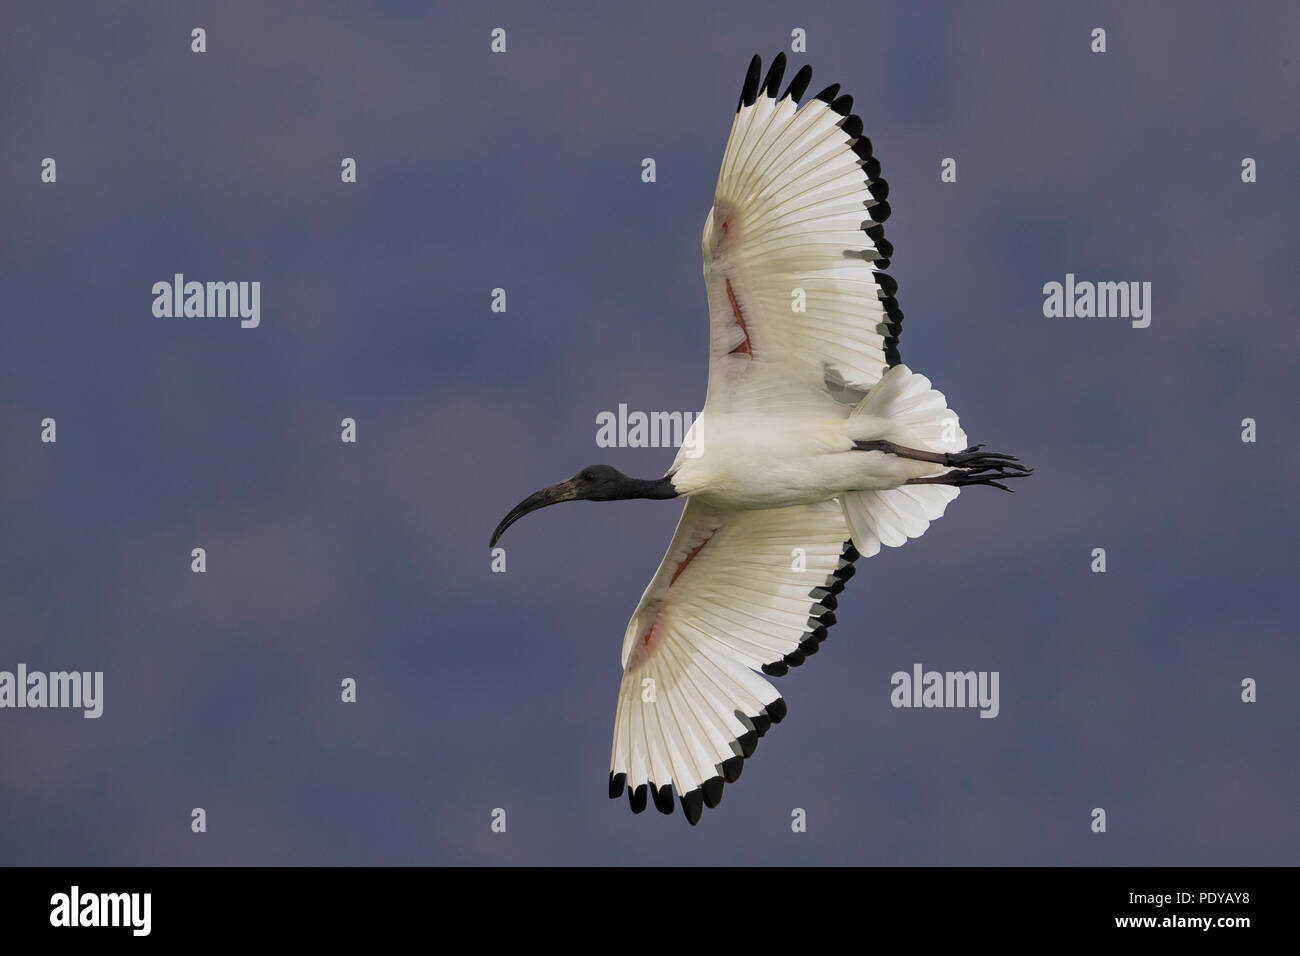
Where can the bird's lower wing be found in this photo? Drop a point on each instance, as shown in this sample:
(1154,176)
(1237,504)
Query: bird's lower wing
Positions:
(737,592)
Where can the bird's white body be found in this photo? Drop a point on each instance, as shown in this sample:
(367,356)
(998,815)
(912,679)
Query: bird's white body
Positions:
(747,460)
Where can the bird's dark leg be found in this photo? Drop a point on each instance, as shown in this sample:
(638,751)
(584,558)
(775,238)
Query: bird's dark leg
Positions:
(970,467)
(902,452)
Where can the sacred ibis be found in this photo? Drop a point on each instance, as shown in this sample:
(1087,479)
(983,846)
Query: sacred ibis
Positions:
(814,448)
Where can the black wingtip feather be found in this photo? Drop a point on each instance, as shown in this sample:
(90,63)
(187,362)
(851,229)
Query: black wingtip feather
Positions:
(828,94)
(799,85)
(712,792)
(748,742)
(777,710)
(663,798)
(774,73)
(616,783)
(636,797)
(749,92)
(693,806)
(842,104)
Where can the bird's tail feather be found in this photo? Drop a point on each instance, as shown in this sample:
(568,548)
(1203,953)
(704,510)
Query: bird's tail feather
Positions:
(916,416)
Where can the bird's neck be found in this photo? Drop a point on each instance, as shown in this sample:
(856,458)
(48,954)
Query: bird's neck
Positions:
(659,489)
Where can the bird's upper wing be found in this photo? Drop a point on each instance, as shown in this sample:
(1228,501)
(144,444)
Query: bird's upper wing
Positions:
(796,224)
(738,591)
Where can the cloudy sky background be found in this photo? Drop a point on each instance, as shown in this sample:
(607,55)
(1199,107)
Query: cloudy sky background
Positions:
(481,690)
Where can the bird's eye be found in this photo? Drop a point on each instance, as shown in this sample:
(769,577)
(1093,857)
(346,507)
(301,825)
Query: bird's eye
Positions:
(587,476)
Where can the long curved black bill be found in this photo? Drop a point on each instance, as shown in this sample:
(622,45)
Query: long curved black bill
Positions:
(564,491)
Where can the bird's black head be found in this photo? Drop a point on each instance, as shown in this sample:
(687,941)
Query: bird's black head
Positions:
(601,483)
(593,483)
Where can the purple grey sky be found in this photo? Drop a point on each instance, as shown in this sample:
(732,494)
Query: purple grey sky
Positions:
(481,690)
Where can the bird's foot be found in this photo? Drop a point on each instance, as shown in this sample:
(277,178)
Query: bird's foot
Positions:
(972,457)
(975,467)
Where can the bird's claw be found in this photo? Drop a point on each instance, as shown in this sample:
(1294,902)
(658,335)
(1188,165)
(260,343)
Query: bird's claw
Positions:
(972,457)
(976,467)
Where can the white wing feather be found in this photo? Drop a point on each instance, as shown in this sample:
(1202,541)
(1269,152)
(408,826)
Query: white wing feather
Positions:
(787,229)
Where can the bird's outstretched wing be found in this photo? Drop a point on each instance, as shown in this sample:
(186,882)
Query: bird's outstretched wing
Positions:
(737,592)
(800,307)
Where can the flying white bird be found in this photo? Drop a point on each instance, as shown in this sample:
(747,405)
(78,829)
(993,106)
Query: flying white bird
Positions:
(814,448)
